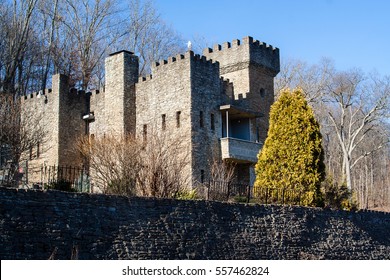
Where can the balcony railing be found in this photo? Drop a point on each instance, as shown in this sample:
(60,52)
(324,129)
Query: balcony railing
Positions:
(240,150)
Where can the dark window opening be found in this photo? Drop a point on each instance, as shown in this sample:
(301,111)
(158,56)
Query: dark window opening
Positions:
(202,176)
(38,150)
(163,122)
(145,133)
(262,92)
(178,118)
(201,118)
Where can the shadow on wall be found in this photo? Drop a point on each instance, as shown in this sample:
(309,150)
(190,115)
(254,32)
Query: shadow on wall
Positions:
(44,224)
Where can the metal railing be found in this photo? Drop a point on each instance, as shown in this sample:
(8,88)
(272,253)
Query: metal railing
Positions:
(225,190)
(266,195)
(65,178)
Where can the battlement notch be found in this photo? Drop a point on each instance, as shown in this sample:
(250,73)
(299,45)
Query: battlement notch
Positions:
(180,57)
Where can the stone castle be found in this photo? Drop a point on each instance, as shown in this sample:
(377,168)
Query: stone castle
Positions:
(218,103)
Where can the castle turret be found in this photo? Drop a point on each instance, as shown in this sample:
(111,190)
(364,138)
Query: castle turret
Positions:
(72,107)
(121,76)
(57,112)
(251,66)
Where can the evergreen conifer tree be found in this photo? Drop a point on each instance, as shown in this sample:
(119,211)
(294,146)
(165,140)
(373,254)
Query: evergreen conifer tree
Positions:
(290,166)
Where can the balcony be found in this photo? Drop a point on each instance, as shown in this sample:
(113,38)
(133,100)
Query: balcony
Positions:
(240,150)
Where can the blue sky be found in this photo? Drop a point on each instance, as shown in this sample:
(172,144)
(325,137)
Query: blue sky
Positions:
(353,33)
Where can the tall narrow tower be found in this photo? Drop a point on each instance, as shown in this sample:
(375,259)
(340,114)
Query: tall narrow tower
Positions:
(121,76)
(251,66)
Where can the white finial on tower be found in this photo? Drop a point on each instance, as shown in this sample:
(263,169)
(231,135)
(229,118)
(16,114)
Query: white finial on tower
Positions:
(189,45)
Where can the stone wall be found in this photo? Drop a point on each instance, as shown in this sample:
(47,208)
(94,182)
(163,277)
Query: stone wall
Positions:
(72,127)
(97,127)
(171,102)
(34,224)
(206,122)
(58,112)
(119,99)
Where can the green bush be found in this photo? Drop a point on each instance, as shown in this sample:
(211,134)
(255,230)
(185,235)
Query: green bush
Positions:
(186,195)
(338,197)
(291,160)
(240,199)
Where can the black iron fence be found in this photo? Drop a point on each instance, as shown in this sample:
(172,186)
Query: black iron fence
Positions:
(230,191)
(70,178)
(267,195)
(224,191)
(67,178)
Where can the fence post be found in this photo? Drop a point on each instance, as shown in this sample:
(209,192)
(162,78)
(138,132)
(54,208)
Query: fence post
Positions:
(249,194)
(26,172)
(208,191)
(82,178)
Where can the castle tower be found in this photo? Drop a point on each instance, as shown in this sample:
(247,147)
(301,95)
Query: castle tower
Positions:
(121,76)
(72,107)
(251,66)
(58,113)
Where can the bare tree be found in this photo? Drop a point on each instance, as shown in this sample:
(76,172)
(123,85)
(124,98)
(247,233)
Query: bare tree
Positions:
(358,107)
(114,163)
(222,176)
(128,166)
(312,79)
(91,27)
(222,171)
(72,37)
(148,35)
(164,165)
(15,29)
(48,24)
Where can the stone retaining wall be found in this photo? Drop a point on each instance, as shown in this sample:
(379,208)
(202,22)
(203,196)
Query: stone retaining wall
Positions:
(34,224)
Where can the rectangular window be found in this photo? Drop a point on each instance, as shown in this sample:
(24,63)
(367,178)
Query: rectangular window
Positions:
(31,153)
(212,122)
(38,150)
(163,122)
(202,176)
(201,118)
(145,133)
(178,118)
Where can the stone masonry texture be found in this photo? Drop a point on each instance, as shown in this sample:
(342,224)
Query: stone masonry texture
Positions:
(34,224)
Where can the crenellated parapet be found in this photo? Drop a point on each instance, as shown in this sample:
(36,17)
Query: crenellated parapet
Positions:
(246,41)
(31,97)
(145,78)
(178,61)
(244,51)
(189,55)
